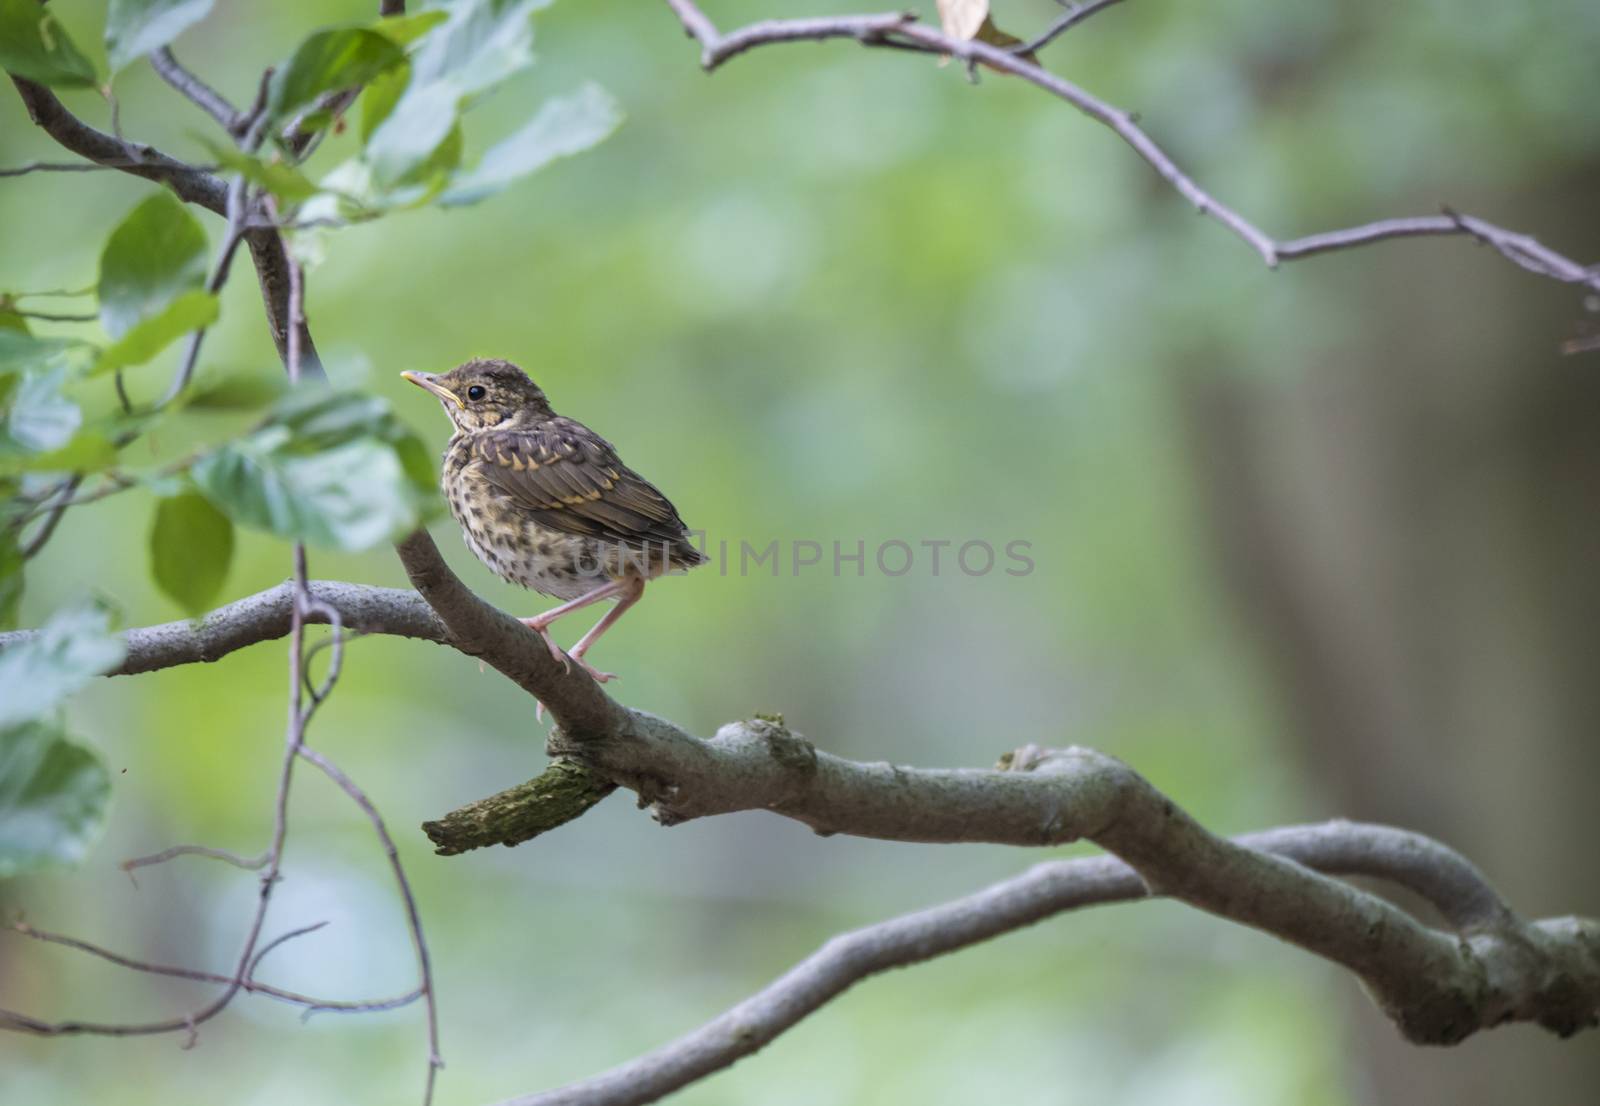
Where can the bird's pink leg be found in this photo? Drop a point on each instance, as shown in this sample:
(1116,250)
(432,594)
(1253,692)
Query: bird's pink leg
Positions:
(631,590)
(540,624)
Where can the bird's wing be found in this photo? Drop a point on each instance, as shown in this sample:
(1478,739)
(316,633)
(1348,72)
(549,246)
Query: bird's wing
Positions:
(569,479)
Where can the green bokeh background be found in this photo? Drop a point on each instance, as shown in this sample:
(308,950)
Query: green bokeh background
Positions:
(824,294)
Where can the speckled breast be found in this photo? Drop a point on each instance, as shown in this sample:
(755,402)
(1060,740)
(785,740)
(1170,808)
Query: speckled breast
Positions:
(518,549)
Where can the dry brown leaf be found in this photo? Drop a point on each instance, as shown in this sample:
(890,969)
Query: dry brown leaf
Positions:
(994,36)
(962,19)
(970,19)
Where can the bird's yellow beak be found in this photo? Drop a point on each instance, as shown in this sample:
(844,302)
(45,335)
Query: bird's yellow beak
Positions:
(430,381)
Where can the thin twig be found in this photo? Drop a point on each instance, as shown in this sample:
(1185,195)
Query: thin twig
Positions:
(312,1004)
(419,941)
(189,1023)
(48,316)
(281,940)
(237,207)
(1064,22)
(296,319)
(53,519)
(57,293)
(65,167)
(249,864)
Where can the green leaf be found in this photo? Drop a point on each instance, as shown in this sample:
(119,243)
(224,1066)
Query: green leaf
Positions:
(34,45)
(283,181)
(481,44)
(153,256)
(328,60)
(350,497)
(419,125)
(38,417)
(380,96)
(87,451)
(135,28)
(562,127)
(20,350)
(191,546)
(53,796)
(411,131)
(10,320)
(11,578)
(190,311)
(406,29)
(237,391)
(330,468)
(38,674)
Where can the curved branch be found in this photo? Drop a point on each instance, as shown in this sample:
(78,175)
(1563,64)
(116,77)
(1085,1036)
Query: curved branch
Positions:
(195,90)
(1064,22)
(266,616)
(900,30)
(1438,987)
(1043,891)
(192,185)
(251,985)
(579,705)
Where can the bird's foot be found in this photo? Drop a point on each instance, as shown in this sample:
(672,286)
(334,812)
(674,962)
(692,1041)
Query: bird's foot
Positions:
(543,630)
(598,676)
(595,674)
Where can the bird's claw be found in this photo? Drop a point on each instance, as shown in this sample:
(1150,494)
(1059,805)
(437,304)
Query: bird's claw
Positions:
(595,674)
(556,653)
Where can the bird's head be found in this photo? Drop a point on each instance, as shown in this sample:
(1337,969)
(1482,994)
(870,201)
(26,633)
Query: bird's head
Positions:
(485,394)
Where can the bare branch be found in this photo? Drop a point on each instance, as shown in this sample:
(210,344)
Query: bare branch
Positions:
(236,213)
(312,1004)
(248,863)
(479,629)
(265,616)
(1075,14)
(419,942)
(190,1022)
(899,29)
(190,183)
(63,167)
(1437,987)
(1044,891)
(195,90)
(49,316)
(57,508)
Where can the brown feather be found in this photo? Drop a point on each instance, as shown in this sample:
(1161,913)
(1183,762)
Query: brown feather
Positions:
(577,484)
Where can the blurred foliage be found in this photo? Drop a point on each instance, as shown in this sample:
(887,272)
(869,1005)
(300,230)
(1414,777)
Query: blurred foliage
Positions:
(826,295)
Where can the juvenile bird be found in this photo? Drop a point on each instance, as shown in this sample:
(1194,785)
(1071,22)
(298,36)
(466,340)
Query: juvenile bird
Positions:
(546,503)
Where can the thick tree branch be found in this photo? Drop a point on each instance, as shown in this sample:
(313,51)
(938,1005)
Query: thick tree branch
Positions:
(1043,891)
(267,616)
(900,30)
(191,184)
(1438,987)
(479,629)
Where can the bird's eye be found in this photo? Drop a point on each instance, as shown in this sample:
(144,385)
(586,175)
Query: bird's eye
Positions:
(477,391)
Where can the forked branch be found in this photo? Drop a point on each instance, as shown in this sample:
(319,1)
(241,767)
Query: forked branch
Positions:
(900,30)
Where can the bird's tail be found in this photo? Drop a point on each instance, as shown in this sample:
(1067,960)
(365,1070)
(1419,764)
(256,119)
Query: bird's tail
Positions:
(688,554)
